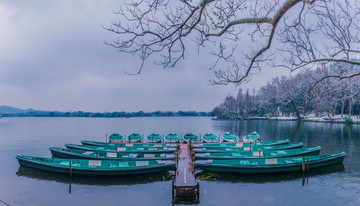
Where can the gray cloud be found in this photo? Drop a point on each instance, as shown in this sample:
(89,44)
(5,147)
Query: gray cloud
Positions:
(53,57)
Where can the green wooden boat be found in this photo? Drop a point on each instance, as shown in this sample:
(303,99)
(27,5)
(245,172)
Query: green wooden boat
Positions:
(191,137)
(116,137)
(94,167)
(122,149)
(85,154)
(210,137)
(134,137)
(172,138)
(118,144)
(252,148)
(252,137)
(154,137)
(228,137)
(244,144)
(260,154)
(270,165)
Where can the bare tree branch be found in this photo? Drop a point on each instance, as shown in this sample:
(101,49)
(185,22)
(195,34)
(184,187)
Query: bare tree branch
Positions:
(292,34)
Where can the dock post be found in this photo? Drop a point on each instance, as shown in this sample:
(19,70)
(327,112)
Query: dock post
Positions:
(70,168)
(303,165)
(307,166)
(303,179)
(198,191)
(173,189)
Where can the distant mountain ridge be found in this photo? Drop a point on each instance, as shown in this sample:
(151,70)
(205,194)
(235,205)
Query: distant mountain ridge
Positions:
(7,111)
(12,110)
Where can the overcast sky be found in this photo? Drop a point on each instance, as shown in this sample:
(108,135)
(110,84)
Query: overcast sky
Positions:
(53,57)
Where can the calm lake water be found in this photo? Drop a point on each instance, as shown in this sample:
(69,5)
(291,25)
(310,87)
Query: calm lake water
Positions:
(337,185)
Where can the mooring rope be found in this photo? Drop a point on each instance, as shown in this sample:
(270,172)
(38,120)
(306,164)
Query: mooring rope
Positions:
(4,203)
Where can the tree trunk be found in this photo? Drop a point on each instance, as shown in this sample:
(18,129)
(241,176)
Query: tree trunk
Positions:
(316,108)
(334,109)
(350,107)
(304,114)
(343,107)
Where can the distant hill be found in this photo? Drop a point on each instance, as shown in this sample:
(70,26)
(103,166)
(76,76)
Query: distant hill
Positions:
(12,110)
(7,111)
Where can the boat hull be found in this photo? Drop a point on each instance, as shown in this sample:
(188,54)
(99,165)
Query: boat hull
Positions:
(260,154)
(337,159)
(90,171)
(81,154)
(240,149)
(122,149)
(116,137)
(172,138)
(243,144)
(123,144)
(228,137)
(210,138)
(154,138)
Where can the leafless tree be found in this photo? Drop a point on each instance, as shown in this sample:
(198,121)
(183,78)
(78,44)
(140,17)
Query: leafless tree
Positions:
(244,35)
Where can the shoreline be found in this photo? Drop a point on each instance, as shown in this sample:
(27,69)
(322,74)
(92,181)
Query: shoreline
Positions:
(353,120)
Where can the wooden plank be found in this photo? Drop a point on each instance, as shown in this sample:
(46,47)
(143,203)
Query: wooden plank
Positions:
(185,175)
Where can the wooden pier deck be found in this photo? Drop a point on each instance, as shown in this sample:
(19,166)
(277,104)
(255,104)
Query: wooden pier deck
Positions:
(184,183)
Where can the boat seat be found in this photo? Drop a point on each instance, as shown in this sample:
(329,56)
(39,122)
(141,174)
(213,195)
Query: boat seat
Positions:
(237,155)
(245,162)
(282,152)
(297,159)
(123,164)
(66,163)
(133,155)
(112,165)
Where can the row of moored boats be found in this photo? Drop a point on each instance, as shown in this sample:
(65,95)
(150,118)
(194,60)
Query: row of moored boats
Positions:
(188,137)
(124,158)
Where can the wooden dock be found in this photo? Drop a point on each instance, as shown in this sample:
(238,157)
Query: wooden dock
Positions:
(184,184)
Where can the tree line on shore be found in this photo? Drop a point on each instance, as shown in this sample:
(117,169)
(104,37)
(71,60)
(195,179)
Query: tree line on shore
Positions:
(106,114)
(299,95)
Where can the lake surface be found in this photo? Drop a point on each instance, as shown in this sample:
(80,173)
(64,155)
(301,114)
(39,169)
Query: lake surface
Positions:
(336,185)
